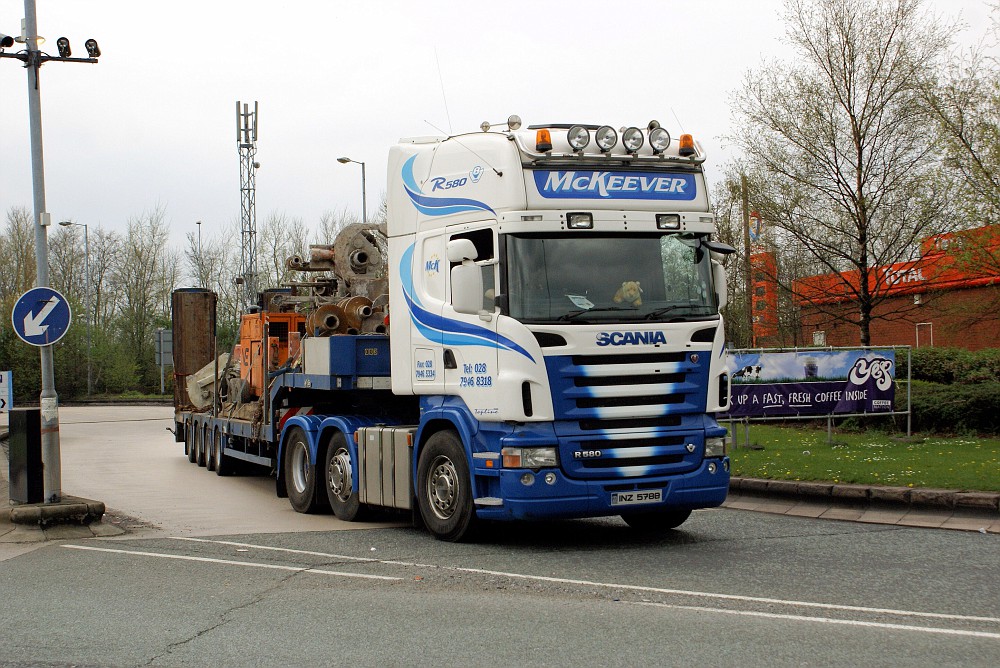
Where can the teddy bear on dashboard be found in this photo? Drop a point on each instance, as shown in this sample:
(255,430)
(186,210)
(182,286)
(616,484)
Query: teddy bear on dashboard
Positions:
(629,292)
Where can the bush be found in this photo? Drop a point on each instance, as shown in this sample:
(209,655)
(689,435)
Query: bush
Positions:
(952,365)
(955,408)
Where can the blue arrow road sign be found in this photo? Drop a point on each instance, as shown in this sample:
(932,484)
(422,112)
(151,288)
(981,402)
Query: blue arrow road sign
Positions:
(41,316)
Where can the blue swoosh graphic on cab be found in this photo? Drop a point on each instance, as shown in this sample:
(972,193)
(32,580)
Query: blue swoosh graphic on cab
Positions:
(449,332)
(437,206)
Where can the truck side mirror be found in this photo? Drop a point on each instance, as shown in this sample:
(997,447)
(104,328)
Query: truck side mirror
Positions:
(719,278)
(466,278)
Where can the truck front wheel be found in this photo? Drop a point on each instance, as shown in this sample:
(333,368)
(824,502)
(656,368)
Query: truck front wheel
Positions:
(300,474)
(338,481)
(444,490)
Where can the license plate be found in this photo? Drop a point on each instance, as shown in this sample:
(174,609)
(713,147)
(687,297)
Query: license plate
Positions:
(635,498)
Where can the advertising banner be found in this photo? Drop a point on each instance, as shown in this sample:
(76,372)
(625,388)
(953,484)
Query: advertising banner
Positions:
(811,382)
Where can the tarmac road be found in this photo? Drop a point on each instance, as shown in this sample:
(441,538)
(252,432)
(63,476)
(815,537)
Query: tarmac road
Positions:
(221,572)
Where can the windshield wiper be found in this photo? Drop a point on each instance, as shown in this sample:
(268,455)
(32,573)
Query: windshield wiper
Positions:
(572,315)
(656,313)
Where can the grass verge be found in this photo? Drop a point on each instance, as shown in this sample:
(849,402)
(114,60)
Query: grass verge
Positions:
(869,458)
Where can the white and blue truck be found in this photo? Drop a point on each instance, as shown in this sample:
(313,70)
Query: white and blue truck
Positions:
(534,333)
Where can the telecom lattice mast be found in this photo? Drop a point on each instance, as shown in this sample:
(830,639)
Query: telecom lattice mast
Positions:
(246,139)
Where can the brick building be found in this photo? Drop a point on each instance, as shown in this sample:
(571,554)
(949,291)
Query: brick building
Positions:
(949,296)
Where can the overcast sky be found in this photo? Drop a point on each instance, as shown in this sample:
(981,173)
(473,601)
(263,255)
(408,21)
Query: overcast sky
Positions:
(155,122)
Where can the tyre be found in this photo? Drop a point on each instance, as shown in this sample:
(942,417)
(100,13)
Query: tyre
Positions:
(444,490)
(210,447)
(222,463)
(663,520)
(189,442)
(202,438)
(337,474)
(300,473)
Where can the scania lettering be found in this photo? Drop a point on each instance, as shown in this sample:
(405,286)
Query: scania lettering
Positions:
(533,332)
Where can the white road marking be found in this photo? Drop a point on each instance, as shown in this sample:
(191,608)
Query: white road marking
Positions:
(611,585)
(827,620)
(230,562)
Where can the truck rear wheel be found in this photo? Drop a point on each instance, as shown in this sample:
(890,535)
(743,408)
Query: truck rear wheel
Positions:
(338,470)
(202,437)
(300,474)
(221,462)
(210,449)
(663,520)
(189,441)
(444,489)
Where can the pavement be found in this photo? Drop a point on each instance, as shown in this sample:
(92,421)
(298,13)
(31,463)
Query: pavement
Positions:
(74,518)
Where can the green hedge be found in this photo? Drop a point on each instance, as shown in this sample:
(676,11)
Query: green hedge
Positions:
(952,365)
(954,408)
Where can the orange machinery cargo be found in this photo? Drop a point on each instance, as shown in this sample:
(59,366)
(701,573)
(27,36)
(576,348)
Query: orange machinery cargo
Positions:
(284,331)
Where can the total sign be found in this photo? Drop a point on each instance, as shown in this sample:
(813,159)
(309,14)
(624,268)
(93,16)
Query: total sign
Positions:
(41,316)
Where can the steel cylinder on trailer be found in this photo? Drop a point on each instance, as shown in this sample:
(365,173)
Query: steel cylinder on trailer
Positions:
(194,336)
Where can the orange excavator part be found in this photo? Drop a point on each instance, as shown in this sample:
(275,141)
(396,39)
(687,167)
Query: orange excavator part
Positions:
(279,327)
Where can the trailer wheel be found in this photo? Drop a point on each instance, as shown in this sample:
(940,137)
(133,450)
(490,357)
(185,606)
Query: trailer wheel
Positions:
(202,437)
(300,474)
(663,520)
(444,490)
(338,470)
(210,449)
(189,441)
(222,463)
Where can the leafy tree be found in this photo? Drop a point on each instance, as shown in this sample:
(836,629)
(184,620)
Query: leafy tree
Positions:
(839,143)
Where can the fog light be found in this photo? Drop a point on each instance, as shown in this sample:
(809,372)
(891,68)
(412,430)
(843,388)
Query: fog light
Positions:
(715,447)
(632,139)
(606,138)
(725,465)
(528,479)
(659,140)
(578,137)
(668,221)
(550,478)
(711,468)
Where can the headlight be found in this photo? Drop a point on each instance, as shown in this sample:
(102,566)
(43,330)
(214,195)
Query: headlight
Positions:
(632,139)
(579,220)
(659,140)
(606,137)
(578,137)
(715,447)
(530,458)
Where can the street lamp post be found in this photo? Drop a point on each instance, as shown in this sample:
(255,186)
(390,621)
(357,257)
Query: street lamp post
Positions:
(364,196)
(201,258)
(86,296)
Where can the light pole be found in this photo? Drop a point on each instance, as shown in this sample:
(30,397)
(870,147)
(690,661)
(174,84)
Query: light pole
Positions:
(364,196)
(86,295)
(201,258)
(33,59)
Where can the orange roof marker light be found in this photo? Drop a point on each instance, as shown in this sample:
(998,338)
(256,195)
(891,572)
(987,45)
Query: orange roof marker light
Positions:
(543,141)
(686,146)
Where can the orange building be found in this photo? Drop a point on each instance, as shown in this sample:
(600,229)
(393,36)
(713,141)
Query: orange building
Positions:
(949,296)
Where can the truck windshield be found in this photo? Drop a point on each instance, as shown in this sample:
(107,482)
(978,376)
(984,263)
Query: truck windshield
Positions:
(586,278)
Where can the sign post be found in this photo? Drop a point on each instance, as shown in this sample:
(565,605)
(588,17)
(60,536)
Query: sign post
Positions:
(41,316)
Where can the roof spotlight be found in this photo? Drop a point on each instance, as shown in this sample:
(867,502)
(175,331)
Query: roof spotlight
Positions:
(659,140)
(514,122)
(63,45)
(632,139)
(578,137)
(606,138)
(93,50)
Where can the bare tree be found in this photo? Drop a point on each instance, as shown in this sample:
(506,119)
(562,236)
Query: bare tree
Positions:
(841,143)
(17,255)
